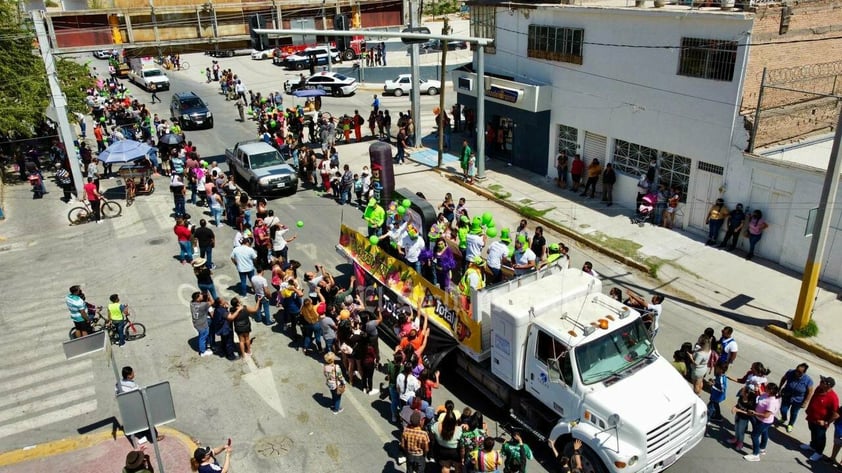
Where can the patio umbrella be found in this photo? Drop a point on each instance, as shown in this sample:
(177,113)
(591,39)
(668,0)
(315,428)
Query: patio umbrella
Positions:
(171,139)
(309,92)
(124,151)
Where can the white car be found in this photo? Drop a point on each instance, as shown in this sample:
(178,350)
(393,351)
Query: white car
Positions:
(403,85)
(334,83)
(103,54)
(261,55)
(301,59)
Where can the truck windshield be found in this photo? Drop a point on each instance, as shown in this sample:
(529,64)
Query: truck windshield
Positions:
(613,353)
(264,160)
(152,73)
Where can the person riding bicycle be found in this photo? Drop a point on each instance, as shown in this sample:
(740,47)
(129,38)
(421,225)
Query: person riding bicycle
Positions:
(78,308)
(117,314)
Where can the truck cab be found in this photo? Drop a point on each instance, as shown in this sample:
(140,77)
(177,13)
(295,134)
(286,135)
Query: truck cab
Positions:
(262,167)
(148,75)
(584,367)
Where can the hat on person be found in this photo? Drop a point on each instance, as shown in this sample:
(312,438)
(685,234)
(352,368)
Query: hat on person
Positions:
(200,453)
(504,235)
(477,260)
(554,247)
(344,314)
(828,380)
(464,218)
(415,419)
(135,459)
(412,231)
(372,202)
(476,226)
(199,262)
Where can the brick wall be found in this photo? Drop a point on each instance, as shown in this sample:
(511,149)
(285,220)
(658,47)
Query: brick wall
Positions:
(809,20)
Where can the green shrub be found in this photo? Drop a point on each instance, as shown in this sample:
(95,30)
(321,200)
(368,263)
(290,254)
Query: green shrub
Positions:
(809,330)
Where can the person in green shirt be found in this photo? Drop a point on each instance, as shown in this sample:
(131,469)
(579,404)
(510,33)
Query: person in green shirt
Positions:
(375,216)
(465,158)
(516,454)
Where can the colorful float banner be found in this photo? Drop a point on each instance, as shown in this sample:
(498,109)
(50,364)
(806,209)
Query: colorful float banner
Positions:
(439,307)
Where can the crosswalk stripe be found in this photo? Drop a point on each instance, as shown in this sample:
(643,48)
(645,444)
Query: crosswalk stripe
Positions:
(39,376)
(128,224)
(160,208)
(48,418)
(42,405)
(25,366)
(26,333)
(60,384)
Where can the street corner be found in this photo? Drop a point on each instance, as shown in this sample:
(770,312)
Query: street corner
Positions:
(806,344)
(98,452)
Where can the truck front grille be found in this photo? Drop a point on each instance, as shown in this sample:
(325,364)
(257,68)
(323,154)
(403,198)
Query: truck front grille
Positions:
(661,436)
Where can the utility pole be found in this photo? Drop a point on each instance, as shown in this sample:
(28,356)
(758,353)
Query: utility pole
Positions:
(414,16)
(824,214)
(59,100)
(327,38)
(442,113)
(480,121)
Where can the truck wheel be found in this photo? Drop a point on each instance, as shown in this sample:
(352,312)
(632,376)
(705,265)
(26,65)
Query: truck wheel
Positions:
(349,55)
(590,460)
(432,91)
(398,92)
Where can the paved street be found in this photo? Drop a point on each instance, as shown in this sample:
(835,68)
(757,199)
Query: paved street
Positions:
(274,407)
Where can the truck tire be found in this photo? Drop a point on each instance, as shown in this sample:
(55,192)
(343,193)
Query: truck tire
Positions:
(432,91)
(590,460)
(398,92)
(349,55)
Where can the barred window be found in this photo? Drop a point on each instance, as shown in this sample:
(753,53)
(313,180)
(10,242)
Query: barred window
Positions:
(633,159)
(568,139)
(484,25)
(707,58)
(555,44)
(674,170)
(713,168)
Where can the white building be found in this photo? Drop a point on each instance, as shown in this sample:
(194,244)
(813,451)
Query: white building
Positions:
(634,87)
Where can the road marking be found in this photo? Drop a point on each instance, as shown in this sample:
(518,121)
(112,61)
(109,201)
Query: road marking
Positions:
(365,413)
(46,388)
(263,383)
(128,225)
(48,418)
(161,210)
(25,366)
(29,333)
(41,405)
(38,376)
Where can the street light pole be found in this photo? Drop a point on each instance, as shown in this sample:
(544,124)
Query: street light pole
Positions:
(416,76)
(480,121)
(813,266)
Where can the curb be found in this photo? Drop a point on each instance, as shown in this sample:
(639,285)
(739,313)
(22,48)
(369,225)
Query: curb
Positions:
(550,224)
(806,344)
(62,446)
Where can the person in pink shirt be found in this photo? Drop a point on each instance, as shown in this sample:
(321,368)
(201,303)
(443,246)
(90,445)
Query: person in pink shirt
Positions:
(756,225)
(763,416)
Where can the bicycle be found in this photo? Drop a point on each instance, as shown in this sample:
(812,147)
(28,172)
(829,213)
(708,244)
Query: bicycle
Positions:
(183,65)
(95,318)
(131,330)
(80,215)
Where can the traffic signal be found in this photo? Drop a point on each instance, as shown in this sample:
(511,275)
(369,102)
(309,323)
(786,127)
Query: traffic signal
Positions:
(340,22)
(259,42)
(419,29)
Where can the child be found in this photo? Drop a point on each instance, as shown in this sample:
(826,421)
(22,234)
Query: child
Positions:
(717,392)
(358,189)
(117,313)
(472,168)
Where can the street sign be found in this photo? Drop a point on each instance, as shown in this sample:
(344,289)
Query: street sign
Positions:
(810,228)
(134,415)
(84,345)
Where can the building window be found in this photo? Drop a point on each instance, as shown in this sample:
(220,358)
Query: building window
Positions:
(712,168)
(707,58)
(633,159)
(484,25)
(555,44)
(568,139)
(674,171)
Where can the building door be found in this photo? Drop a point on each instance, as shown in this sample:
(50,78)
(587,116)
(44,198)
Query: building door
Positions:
(594,148)
(706,185)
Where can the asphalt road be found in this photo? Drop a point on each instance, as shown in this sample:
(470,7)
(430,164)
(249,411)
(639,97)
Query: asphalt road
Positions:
(275,407)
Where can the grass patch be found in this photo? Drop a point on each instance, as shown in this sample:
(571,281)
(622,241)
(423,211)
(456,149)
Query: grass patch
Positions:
(526,201)
(807,331)
(531,212)
(499,192)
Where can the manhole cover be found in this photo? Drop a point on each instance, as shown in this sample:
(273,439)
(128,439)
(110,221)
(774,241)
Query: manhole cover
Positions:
(156,241)
(270,447)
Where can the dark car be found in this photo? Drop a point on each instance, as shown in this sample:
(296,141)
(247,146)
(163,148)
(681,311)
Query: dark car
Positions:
(434,46)
(190,111)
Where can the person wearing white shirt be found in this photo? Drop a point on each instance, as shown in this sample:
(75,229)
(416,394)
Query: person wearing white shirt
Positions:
(523,260)
(494,260)
(410,248)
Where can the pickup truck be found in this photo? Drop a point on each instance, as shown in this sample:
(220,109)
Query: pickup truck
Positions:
(262,167)
(145,73)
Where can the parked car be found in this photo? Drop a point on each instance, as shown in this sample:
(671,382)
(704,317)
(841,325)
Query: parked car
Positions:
(301,60)
(403,85)
(334,83)
(190,110)
(261,55)
(434,46)
(103,54)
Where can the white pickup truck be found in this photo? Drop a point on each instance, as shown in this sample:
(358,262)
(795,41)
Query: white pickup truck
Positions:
(144,72)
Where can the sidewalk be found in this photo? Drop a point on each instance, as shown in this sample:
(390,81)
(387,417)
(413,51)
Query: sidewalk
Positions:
(689,271)
(97,453)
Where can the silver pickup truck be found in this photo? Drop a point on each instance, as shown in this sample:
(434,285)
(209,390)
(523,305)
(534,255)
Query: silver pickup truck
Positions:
(262,167)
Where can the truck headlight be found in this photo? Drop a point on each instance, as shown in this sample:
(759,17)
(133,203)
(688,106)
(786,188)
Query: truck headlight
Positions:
(633,460)
(185,117)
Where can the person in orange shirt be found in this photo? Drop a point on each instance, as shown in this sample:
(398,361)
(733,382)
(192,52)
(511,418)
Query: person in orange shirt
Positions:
(100,143)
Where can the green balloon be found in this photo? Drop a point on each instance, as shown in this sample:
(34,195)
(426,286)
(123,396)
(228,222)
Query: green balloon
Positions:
(491,224)
(273,123)
(491,232)
(406,203)
(487,218)
(401,210)
(299,223)
(374,240)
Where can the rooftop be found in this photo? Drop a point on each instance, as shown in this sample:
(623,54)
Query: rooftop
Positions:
(813,152)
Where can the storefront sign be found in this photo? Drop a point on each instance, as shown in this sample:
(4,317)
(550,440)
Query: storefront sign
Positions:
(504,93)
(411,288)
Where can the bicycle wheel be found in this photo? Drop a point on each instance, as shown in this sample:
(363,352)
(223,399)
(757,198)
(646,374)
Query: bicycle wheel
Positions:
(78,215)
(134,331)
(111,209)
(184,65)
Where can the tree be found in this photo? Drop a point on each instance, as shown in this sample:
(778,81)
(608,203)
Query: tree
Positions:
(24,93)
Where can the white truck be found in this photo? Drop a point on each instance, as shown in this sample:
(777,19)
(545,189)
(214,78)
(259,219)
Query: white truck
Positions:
(566,360)
(144,72)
